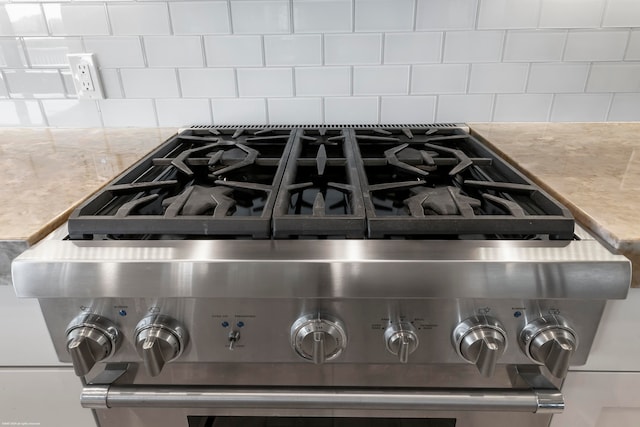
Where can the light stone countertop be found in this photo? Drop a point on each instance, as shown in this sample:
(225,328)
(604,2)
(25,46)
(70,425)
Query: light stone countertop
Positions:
(593,168)
(46,173)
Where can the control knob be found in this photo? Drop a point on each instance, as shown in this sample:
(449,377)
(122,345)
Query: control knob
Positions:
(401,339)
(90,339)
(159,340)
(551,342)
(318,337)
(480,340)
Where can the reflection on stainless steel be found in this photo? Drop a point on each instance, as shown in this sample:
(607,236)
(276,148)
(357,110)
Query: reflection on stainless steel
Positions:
(428,269)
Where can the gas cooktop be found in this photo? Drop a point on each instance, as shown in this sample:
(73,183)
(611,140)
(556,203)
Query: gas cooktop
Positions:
(297,182)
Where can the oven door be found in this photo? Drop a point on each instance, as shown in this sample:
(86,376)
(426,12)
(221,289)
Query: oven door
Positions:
(184,395)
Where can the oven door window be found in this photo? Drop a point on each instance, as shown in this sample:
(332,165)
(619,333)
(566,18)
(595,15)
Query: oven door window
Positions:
(317,422)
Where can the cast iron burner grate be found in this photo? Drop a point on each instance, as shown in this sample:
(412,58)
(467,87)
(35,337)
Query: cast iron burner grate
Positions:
(201,182)
(320,191)
(318,182)
(441,182)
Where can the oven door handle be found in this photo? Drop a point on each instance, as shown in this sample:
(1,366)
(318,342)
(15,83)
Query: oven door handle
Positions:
(432,399)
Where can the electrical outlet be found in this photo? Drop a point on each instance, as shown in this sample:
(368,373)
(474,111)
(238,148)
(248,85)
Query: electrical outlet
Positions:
(85,75)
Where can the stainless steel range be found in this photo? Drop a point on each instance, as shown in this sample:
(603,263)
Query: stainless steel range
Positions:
(322,276)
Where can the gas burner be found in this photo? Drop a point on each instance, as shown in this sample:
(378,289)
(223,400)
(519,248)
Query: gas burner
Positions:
(428,182)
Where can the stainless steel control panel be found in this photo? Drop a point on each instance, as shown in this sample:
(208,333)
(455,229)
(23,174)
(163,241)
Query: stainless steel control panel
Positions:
(349,330)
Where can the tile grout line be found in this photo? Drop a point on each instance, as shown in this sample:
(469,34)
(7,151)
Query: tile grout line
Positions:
(44,116)
(46,23)
(229,16)
(169,20)
(97,104)
(120,83)
(204,52)
(353,16)
(108,17)
(626,48)
(609,107)
(415,15)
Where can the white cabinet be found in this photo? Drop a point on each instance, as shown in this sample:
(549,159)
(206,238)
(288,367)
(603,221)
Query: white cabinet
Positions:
(43,397)
(24,335)
(600,399)
(617,343)
(604,392)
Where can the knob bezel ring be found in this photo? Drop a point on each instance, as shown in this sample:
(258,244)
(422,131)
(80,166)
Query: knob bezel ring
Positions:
(166,324)
(476,323)
(307,322)
(541,325)
(99,323)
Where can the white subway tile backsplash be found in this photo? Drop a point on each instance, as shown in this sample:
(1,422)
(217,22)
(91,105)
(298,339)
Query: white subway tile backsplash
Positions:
(446,14)
(208,83)
(68,19)
(473,46)
(633,50)
(412,48)
(502,14)
(529,46)
(260,16)
(596,45)
(381,80)
(622,13)
(295,111)
(149,83)
(233,51)
(384,15)
(440,78)
(169,63)
(11,54)
(580,107)
(200,17)
(625,107)
(21,113)
(557,78)
(352,49)
(22,20)
(51,52)
(264,82)
(128,113)
(173,51)
(323,81)
(183,112)
(239,111)
(293,50)
(408,109)
(522,108)
(464,108)
(116,52)
(71,113)
(148,19)
(498,78)
(34,84)
(571,13)
(110,83)
(322,16)
(614,78)
(352,110)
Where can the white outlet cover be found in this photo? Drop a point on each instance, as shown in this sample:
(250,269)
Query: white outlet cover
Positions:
(86,79)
